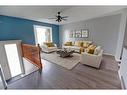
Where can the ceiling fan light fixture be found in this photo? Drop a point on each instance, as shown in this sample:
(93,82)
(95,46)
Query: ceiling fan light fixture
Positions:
(60,18)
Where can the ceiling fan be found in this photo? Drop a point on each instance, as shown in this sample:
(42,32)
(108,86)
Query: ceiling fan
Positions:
(59,18)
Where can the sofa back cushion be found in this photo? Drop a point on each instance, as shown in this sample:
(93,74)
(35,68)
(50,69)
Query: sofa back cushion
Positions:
(68,44)
(78,43)
(86,44)
(90,42)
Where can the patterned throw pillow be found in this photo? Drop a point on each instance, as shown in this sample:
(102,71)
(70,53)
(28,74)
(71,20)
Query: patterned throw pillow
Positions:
(86,44)
(49,44)
(91,49)
(68,44)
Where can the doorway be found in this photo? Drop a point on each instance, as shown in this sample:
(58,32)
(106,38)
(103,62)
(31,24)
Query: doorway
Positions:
(42,34)
(11,59)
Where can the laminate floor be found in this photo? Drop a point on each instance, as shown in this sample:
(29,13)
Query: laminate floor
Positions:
(81,77)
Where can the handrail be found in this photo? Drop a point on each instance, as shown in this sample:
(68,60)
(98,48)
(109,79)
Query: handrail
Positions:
(32,54)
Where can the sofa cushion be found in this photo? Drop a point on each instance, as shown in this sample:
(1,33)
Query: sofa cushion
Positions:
(79,43)
(75,47)
(97,50)
(52,47)
(67,46)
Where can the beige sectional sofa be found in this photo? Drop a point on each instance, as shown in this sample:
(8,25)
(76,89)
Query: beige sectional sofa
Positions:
(78,46)
(91,54)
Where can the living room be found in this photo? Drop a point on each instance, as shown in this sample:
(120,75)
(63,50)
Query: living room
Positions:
(80,46)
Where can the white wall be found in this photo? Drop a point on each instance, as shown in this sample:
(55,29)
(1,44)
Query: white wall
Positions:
(121,36)
(125,34)
(125,39)
(103,31)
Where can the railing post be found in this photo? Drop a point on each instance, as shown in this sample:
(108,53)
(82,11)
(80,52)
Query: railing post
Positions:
(39,54)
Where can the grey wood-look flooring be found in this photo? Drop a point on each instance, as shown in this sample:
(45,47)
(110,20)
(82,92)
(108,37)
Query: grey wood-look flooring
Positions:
(81,77)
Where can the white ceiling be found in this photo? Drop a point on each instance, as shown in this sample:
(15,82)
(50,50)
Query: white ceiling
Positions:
(41,13)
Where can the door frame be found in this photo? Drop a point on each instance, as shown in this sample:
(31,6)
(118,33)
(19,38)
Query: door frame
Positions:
(3,78)
(19,50)
(39,26)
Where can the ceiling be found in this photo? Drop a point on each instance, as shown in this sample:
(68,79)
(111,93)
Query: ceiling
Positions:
(42,13)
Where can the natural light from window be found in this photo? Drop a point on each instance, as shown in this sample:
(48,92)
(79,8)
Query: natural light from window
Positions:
(13,59)
(41,35)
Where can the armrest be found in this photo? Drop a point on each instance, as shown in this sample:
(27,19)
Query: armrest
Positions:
(101,52)
(55,45)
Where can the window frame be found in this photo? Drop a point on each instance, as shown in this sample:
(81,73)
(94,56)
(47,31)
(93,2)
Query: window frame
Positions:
(35,32)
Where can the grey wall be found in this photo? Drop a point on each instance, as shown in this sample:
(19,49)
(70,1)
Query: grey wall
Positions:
(125,37)
(103,31)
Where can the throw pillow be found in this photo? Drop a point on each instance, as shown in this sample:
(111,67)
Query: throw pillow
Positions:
(85,44)
(68,44)
(91,49)
(49,44)
(79,43)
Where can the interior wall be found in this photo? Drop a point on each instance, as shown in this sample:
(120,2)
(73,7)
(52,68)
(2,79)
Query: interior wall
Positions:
(12,28)
(103,31)
(125,37)
(120,40)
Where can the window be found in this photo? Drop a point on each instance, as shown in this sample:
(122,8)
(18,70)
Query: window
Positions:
(43,34)
(13,59)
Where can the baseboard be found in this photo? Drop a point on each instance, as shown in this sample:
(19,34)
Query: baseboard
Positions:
(108,54)
(118,60)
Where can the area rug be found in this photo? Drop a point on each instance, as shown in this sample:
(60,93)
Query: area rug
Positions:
(68,62)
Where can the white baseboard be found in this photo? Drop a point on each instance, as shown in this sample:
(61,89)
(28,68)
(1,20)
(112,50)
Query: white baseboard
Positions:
(108,54)
(118,60)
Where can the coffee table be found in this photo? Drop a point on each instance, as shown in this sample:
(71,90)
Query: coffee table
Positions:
(65,52)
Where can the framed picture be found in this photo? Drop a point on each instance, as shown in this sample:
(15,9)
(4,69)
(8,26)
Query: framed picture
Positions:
(71,34)
(85,33)
(78,34)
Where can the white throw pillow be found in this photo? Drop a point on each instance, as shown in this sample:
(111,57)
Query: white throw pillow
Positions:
(97,50)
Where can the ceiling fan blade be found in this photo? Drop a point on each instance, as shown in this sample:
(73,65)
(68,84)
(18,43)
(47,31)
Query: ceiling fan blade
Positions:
(59,18)
(64,17)
(52,18)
